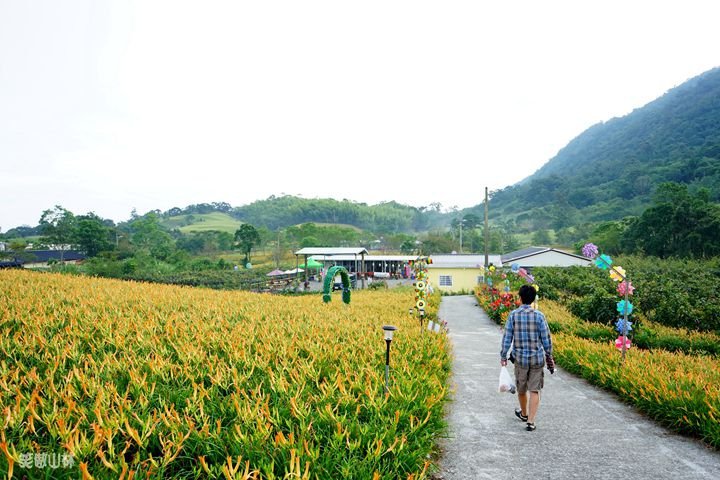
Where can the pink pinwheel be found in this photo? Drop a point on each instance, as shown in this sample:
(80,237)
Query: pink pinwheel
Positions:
(619,343)
(624,287)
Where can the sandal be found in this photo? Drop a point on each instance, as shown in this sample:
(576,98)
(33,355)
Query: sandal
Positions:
(518,413)
(530,427)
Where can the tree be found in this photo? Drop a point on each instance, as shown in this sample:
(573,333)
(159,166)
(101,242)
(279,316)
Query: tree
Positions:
(541,237)
(678,224)
(247,237)
(148,235)
(57,226)
(91,235)
(407,247)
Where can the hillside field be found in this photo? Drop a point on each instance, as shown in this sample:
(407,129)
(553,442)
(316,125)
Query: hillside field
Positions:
(203,222)
(133,379)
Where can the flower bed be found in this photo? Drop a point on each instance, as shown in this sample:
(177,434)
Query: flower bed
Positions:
(159,381)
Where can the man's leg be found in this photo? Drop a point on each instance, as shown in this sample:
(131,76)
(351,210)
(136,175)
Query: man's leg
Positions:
(522,398)
(534,404)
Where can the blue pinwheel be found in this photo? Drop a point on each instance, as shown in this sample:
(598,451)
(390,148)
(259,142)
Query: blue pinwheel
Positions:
(603,261)
(620,326)
(624,307)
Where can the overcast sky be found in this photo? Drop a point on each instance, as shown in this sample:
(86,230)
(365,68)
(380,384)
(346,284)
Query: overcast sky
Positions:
(109,106)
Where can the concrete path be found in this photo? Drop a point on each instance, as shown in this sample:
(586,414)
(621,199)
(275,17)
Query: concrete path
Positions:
(582,431)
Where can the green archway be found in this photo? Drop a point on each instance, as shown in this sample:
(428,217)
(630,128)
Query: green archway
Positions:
(330,278)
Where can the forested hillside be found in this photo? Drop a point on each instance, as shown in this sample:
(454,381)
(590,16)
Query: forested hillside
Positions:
(386,217)
(613,168)
(287,210)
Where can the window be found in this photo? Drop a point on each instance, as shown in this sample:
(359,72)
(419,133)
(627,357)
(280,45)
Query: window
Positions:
(480,279)
(446,280)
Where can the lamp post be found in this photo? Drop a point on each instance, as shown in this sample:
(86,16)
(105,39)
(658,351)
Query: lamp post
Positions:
(388,330)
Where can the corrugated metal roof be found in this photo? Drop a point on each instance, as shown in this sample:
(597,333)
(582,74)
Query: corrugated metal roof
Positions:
(38,256)
(509,257)
(463,261)
(332,251)
(531,251)
(368,258)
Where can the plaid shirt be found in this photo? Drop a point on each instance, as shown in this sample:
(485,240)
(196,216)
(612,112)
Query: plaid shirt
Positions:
(528,331)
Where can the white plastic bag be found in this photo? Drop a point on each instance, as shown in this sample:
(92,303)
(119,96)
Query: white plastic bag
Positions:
(506,383)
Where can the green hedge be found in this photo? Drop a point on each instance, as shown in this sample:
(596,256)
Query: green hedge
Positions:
(675,293)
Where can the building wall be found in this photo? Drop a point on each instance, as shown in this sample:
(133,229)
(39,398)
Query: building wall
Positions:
(551,259)
(462,278)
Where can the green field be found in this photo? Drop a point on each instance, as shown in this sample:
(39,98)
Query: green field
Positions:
(204,222)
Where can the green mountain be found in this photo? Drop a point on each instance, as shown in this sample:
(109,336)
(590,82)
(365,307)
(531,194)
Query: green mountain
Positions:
(385,217)
(287,211)
(612,169)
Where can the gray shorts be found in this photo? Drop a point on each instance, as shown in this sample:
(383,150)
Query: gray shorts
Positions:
(529,378)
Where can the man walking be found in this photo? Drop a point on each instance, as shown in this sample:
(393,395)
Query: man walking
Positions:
(527,331)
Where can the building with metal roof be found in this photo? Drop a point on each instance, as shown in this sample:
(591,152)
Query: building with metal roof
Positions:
(544,257)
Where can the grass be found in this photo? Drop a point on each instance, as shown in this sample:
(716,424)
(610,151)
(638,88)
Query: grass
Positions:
(217,221)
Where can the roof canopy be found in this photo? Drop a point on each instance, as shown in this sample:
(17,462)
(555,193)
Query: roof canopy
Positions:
(368,258)
(463,261)
(532,251)
(332,251)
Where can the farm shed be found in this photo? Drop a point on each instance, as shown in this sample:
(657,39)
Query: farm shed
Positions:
(357,253)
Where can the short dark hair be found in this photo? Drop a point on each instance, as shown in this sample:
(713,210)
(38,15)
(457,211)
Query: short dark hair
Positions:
(527,294)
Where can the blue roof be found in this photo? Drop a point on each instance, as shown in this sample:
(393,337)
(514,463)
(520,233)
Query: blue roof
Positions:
(47,255)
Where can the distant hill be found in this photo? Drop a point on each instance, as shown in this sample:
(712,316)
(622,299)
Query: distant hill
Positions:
(386,217)
(612,169)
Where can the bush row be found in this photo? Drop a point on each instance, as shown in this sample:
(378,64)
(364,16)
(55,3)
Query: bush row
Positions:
(649,335)
(674,293)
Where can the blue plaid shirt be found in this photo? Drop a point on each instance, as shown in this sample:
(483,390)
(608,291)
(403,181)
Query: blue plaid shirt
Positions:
(527,329)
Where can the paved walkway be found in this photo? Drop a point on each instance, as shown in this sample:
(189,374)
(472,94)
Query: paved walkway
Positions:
(582,431)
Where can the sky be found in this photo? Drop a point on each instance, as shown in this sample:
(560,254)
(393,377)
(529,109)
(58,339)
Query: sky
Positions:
(110,106)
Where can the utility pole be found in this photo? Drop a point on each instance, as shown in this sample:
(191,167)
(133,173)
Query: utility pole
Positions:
(461,225)
(487,263)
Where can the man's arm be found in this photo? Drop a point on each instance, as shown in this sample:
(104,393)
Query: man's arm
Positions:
(546,340)
(544,332)
(507,340)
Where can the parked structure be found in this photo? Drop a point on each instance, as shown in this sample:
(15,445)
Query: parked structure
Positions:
(43,258)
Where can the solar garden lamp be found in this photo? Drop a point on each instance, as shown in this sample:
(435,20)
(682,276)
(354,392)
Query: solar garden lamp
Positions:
(388,330)
(422,319)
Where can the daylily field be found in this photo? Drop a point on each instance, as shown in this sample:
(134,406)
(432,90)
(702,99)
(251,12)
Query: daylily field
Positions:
(112,379)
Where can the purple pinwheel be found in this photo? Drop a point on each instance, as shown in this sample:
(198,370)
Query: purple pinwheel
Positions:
(590,250)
